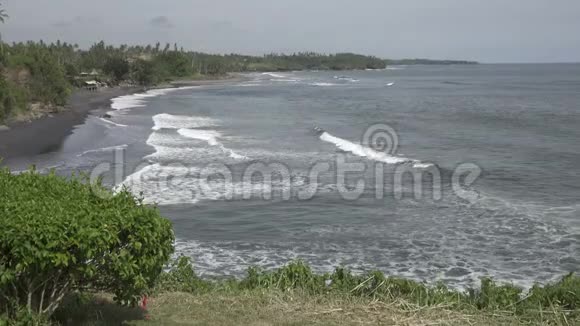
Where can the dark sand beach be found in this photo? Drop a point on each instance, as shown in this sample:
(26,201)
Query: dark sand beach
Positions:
(44,135)
(25,139)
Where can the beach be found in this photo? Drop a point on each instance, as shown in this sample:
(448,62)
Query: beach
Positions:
(26,139)
(30,138)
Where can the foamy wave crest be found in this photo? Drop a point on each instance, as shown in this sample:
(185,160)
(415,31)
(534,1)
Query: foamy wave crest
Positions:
(191,153)
(112,123)
(286,80)
(177,184)
(167,139)
(346,78)
(211,137)
(139,100)
(170,121)
(249,85)
(271,74)
(323,84)
(160,185)
(369,153)
(104,149)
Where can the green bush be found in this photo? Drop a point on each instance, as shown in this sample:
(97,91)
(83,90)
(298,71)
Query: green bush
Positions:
(59,235)
(182,278)
(12,98)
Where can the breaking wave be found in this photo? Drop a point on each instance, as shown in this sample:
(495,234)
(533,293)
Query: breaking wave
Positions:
(104,149)
(323,84)
(170,121)
(112,123)
(138,100)
(362,151)
(346,78)
(211,137)
(271,74)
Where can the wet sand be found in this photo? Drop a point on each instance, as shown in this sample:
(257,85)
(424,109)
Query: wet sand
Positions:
(27,139)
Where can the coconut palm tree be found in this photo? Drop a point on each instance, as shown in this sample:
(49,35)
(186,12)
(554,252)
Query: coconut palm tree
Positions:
(3,17)
(3,14)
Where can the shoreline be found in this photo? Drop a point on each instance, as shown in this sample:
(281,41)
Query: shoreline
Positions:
(47,134)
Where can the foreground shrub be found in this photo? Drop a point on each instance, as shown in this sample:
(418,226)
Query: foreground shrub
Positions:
(181,277)
(58,236)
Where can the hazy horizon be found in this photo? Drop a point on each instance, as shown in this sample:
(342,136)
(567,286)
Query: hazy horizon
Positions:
(531,31)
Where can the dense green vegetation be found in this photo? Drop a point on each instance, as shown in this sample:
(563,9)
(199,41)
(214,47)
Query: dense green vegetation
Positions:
(58,236)
(36,72)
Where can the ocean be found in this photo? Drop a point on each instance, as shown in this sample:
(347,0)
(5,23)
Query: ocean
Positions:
(435,173)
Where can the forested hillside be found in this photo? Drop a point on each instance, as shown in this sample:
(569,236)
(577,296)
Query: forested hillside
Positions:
(36,72)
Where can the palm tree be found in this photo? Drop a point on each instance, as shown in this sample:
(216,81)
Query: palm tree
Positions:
(3,14)
(3,17)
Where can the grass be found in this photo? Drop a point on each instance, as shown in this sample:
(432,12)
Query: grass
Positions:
(294,295)
(272,307)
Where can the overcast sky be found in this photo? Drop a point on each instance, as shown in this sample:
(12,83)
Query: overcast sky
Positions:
(483,30)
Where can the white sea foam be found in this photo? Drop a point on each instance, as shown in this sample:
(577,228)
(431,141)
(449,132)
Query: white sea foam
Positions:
(178,184)
(40,170)
(249,85)
(127,102)
(112,123)
(139,100)
(195,152)
(271,74)
(169,138)
(286,80)
(210,136)
(160,184)
(170,121)
(320,84)
(346,78)
(369,153)
(104,149)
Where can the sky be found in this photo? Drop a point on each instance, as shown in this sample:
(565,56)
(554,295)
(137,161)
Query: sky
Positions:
(482,30)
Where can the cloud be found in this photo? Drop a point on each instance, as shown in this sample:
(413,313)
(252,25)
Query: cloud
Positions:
(161,22)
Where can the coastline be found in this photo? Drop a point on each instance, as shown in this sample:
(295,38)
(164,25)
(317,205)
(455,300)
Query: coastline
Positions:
(47,134)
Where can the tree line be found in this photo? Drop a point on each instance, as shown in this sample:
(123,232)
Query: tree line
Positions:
(38,72)
(46,73)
